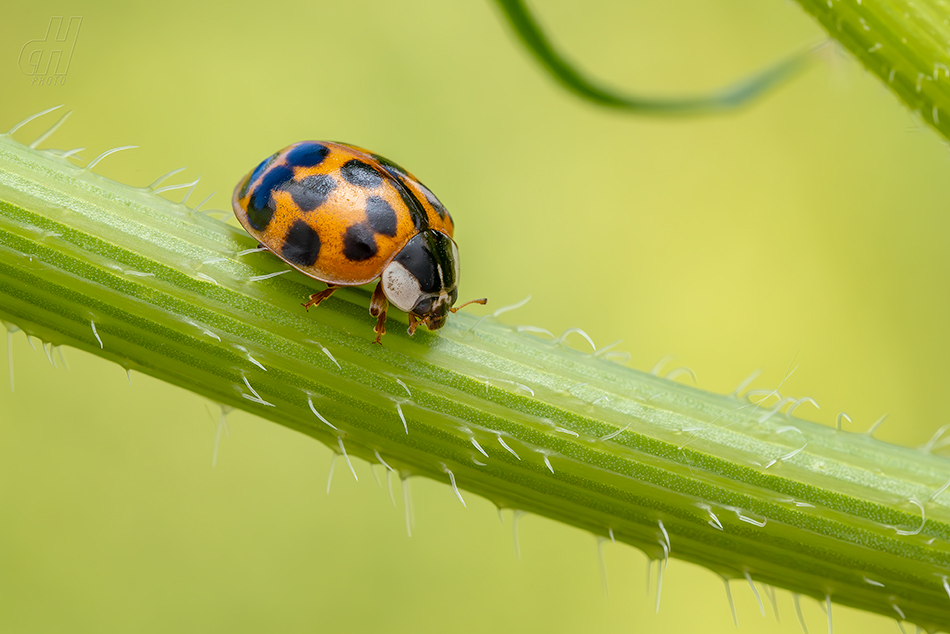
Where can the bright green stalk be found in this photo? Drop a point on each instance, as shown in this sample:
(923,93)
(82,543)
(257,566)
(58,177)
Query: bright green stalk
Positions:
(523,421)
(906,43)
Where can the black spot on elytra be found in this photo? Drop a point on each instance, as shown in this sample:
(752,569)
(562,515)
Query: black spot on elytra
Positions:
(307,154)
(359,242)
(310,192)
(301,244)
(381,216)
(361,174)
(260,206)
(254,176)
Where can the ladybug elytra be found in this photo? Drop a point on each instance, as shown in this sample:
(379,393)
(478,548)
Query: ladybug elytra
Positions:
(346,216)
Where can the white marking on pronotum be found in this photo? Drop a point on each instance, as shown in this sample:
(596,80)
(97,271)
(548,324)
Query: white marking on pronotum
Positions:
(339,440)
(515,518)
(603,564)
(161,179)
(732,604)
(256,398)
(748,578)
(169,188)
(923,519)
(583,334)
(96,160)
(510,450)
(479,447)
(547,463)
(330,474)
(455,488)
(402,417)
(94,332)
(797,598)
(404,386)
(407,503)
(206,199)
(222,424)
(31,117)
(501,311)
(325,421)
(872,582)
(838,420)
(943,488)
(265,276)
(49,132)
(877,423)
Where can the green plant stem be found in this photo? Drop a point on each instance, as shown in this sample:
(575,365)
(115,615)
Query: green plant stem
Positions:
(729,98)
(906,43)
(528,423)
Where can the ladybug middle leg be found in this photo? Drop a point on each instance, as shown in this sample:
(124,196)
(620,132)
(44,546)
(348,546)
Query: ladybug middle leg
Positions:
(316,298)
(377,308)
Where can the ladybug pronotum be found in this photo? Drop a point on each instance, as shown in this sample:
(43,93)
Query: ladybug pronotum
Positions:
(345,216)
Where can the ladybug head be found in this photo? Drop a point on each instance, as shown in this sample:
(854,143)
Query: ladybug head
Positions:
(422,279)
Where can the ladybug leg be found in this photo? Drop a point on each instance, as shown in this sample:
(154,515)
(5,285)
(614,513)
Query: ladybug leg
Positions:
(316,298)
(377,308)
(413,324)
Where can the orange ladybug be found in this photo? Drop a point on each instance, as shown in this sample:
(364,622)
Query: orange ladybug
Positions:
(346,216)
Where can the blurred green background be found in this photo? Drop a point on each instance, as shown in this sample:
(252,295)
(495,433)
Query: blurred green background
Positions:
(810,226)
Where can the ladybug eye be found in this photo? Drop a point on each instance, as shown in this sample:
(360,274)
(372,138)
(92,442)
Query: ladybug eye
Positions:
(424,307)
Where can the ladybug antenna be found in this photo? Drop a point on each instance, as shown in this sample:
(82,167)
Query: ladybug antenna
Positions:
(482,301)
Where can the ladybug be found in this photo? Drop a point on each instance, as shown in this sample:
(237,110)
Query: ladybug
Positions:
(346,216)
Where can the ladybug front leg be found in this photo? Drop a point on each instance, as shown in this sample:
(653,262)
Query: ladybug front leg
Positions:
(413,323)
(316,298)
(377,308)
